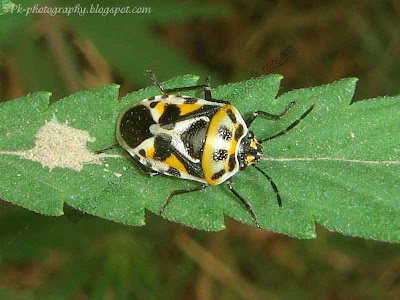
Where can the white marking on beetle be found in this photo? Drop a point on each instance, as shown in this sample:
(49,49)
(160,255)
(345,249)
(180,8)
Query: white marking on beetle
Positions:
(59,145)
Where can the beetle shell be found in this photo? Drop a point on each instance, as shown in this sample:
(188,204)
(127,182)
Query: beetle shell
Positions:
(183,136)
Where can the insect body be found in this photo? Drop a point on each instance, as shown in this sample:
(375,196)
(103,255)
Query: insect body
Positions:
(184,137)
(204,140)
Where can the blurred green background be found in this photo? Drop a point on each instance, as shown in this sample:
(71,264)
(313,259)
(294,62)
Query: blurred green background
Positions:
(52,258)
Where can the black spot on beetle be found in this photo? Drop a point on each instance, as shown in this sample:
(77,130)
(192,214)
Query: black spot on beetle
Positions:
(151,98)
(142,152)
(170,114)
(174,172)
(220,154)
(224,133)
(162,146)
(190,100)
(135,125)
(217,175)
(238,132)
(231,163)
(231,115)
(154,104)
(164,96)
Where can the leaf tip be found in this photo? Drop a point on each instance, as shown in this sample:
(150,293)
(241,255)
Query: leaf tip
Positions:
(278,76)
(350,80)
(115,85)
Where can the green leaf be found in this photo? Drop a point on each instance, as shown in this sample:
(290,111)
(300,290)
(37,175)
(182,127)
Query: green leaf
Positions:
(35,184)
(344,165)
(339,167)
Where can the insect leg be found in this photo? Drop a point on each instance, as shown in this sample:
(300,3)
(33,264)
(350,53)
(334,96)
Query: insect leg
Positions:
(269,116)
(291,126)
(245,203)
(207,90)
(183,191)
(206,87)
(113,146)
(274,187)
(179,89)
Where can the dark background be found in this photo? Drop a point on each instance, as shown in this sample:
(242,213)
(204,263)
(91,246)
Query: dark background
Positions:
(53,258)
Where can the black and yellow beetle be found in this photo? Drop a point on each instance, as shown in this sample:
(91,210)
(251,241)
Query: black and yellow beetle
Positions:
(204,140)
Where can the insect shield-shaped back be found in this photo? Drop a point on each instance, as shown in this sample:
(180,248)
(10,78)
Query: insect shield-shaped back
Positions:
(185,137)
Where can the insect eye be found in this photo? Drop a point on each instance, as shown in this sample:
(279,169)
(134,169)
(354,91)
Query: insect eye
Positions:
(251,134)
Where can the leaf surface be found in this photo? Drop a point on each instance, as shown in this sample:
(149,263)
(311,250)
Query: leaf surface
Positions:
(339,167)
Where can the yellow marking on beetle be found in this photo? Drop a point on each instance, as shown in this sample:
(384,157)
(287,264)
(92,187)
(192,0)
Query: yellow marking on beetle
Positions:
(150,152)
(253,144)
(232,149)
(212,136)
(250,159)
(160,107)
(173,162)
(188,108)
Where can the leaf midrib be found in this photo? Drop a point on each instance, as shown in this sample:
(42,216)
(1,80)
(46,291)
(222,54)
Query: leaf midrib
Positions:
(328,159)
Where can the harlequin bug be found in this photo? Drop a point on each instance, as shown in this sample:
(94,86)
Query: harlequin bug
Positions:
(204,140)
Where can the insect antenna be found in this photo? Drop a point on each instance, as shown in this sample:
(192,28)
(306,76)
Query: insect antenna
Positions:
(291,126)
(274,187)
